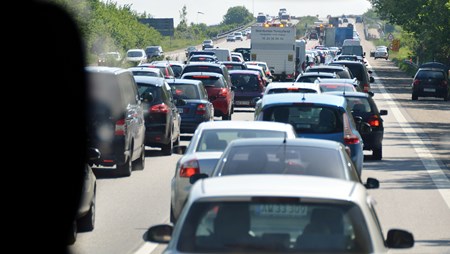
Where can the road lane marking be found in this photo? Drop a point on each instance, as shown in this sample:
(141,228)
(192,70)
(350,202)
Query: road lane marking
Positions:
(435,172)
(146,248)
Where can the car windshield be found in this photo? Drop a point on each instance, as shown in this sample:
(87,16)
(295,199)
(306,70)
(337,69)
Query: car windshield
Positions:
(282,159)
(134,54)
(307,118)
(185,91)
(274,225)
(218,139)
(245,82)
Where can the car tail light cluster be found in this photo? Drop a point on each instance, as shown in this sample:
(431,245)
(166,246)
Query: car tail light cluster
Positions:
(189,168)
(444,83)
(159,108)
(223,92)
(366,88)
(416,82)
(374,121)
(201,109)
(350,138)
(120,128)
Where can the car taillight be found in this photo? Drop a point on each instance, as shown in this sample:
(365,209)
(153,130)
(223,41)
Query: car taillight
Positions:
(350,138)
(223,92)
(366,88)
(416,82)
(374,121)
(120,128)
(159,108)
(189,168)
(201,109)
(444,83)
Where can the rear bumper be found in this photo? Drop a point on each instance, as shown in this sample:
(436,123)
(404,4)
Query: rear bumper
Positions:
(373,140)
(428,92)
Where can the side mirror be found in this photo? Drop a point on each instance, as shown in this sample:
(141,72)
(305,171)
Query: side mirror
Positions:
(372,183)
(180,102)
(371,79)
(383,112)
(93,154)
(179,150)
(147,97)
(371,94)
(399,239)
(196,177)
(160,233)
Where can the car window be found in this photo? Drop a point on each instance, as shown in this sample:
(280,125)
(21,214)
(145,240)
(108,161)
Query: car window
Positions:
(185,91)
(195,68)
(235,66)
(307,118)
(278,159)
(209,81)
(104,93)
(245,82)
(218,139)
(280,226)
(146,73)
(430,75)
(128,89)
(149,88)
(337,87)
(359,105)
(134,54)
(177,70)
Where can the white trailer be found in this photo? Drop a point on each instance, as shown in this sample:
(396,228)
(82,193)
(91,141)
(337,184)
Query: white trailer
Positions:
(275,45)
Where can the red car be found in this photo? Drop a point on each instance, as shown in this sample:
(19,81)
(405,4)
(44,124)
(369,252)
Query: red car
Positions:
(220,92)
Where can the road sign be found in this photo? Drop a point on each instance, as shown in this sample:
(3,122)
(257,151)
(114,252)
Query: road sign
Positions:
(162,25)
(390,37)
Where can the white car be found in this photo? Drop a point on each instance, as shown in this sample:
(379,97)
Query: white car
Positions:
(136,56)
(381,52)
(278,214)
(206,147)
(238,36)
(231,37)
(146,71)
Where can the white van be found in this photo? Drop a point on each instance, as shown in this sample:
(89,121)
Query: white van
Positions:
(221,53)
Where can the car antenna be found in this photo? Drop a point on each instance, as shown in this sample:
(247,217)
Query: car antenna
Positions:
(303,98)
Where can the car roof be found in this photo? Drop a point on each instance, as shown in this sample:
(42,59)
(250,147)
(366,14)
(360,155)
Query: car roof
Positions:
(347,62)
(212,74)
(337,80)
(316,73)
(144,68)
(252,125)
(232,63)
(335,67)
(182,81)
(157,81)
(243,72)
(210,56)
(275,85)
(287,98)
(351,94)
(278,186)
(204,64)
(105,69)
(322,143)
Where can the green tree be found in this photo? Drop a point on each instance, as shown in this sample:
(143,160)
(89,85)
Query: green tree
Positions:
(183,25)
(237,15)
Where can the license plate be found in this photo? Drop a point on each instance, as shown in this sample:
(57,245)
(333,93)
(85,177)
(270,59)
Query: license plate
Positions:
(429,90)
(180,110)
(242,103)
(281,210)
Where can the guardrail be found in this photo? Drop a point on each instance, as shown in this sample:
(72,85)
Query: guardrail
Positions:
(224,34)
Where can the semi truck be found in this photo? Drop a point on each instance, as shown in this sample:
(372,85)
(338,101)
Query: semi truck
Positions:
(335,36)
(275,45)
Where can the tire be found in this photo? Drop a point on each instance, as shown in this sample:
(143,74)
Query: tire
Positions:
(87,222)
(126,168)
(414,97)
(377,153)
(139,164)
(227,117)
(167,149)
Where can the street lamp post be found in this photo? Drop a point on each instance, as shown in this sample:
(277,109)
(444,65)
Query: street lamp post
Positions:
(199,12)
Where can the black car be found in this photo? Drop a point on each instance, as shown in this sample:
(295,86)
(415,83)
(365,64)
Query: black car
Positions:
(359,71)
(198,108)
(245,52)
(235,65)
(162,120)
(362,105)
(342,71)
(154,53)
(116,120)
(431,80)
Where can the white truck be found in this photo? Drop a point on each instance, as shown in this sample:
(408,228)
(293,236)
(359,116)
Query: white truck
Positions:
(275,45)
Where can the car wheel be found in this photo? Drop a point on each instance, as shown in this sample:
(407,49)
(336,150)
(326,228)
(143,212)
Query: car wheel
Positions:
(126,168)
(377,153)
(232,109)
(415,97)
(87,222)
(139,164)
(227,117)
(167,149)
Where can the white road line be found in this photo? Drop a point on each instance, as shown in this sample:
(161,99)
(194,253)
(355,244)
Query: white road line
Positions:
(434,170)
(146,248)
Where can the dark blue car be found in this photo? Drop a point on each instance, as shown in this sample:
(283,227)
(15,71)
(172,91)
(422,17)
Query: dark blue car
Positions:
(198,108)
(249,87)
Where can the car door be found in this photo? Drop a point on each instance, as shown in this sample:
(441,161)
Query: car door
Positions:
(209,105)
(174,115)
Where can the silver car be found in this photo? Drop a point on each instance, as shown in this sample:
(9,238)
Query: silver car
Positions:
(278,214)
(206,147)
(303,156)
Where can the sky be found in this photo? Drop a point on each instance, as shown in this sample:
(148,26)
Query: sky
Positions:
(211,12)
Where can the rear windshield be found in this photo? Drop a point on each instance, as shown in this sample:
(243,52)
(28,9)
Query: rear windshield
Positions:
(277,159)
(146,88)
(185,91)
(195,68)
(235,66)
(359,105)
(201,59)
(310,79)
(430,75)
(341,73)
(134,54)
(146,73)
(245,82)
(274,225)
(208,81)
(218,139)
(352,50)
(337,88)
(177,70)
(307,118)
(291,90)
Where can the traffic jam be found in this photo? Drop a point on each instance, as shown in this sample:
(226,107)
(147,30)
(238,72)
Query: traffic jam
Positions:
(266,141)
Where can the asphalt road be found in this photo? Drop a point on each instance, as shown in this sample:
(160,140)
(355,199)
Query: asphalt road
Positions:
(414,176)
